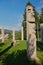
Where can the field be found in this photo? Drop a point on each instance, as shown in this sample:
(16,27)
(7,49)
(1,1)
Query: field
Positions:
(16,55)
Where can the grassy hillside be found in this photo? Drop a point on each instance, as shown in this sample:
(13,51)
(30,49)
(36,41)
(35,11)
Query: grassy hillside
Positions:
(16,55)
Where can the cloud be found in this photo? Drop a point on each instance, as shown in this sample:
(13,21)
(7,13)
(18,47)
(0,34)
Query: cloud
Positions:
(19,22)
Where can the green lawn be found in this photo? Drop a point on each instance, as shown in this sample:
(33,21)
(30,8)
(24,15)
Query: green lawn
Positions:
(16,55)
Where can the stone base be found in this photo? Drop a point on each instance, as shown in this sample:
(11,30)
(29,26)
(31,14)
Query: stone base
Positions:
(16,43)
(36,59)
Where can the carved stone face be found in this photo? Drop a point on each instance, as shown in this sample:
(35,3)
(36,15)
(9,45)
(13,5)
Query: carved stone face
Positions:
(30,14)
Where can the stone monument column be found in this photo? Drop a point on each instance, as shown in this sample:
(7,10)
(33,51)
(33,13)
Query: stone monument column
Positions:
(13,30)
(22,37)
(2,31)
(31,33)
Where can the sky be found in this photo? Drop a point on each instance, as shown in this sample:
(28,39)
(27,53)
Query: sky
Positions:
(11,12)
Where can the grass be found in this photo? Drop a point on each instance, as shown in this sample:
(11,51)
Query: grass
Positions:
(16,55)
(40,51)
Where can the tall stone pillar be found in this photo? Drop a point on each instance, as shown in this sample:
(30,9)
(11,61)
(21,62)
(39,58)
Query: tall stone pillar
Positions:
(22,37)
(2,31)
(31,37)
(41,32)
(13,30)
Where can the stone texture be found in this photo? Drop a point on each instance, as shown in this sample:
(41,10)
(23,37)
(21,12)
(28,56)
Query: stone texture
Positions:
(31,37)
(30,14)
(31,41)
(13,30)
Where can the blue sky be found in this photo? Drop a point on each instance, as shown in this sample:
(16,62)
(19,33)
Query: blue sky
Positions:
(11,12)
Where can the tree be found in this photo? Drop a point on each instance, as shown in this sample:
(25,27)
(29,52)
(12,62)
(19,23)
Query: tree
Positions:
(37,24)
(41,16)
(24,25)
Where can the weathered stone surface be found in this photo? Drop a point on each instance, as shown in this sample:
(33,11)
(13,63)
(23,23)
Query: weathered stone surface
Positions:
(31,33)
(30,14)
(31,38)
(13,31)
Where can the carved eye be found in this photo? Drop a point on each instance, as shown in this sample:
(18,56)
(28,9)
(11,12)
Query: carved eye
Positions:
(29,9)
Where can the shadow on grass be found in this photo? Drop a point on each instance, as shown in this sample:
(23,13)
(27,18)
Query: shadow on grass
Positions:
(19,58)
(1,44)
(1,53)
(40,45)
